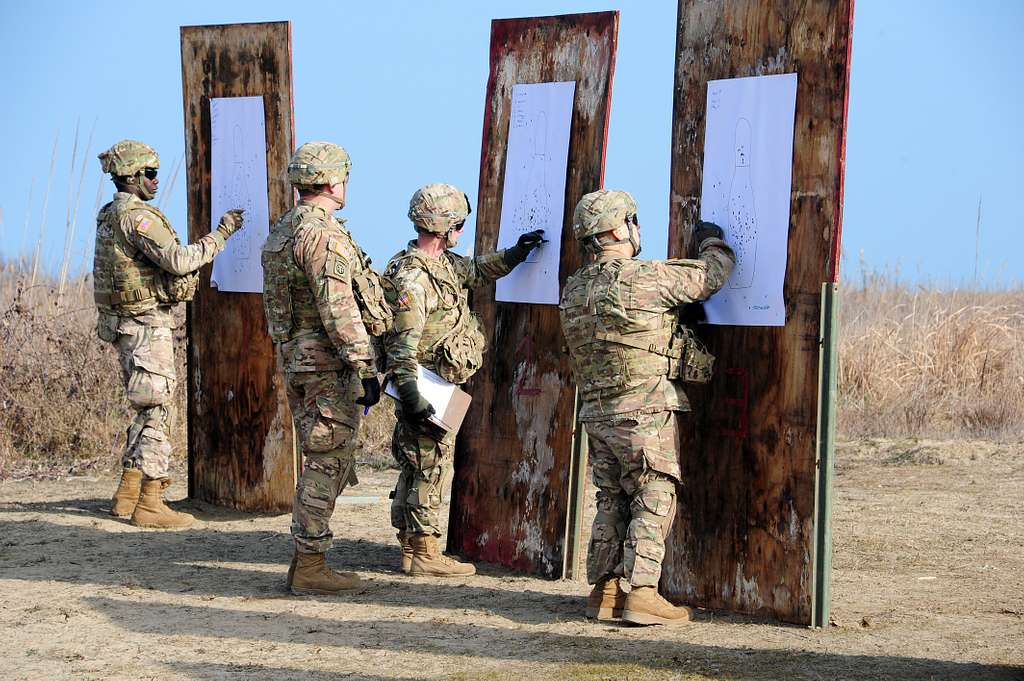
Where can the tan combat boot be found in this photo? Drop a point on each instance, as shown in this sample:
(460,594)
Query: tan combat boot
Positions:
(606,600)
(291,571)
(428,561)
(406,544)
(127,494)
(151,511)
(313,576)
(644,605)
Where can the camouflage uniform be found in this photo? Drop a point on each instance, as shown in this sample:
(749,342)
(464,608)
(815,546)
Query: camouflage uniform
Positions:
(140,271)
(321,299)
(309,263)
(618,315)
(433,327)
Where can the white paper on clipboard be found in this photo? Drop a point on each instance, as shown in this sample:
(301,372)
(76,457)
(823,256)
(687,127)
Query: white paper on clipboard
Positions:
(448,400)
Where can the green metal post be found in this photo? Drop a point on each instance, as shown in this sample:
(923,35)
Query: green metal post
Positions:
(577,488)
(821,594)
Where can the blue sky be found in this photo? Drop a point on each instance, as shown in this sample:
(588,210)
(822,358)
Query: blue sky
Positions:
(936,96)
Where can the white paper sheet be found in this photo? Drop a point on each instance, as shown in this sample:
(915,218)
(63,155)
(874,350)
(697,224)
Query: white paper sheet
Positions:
(433,388)
(748,172)
(533,196)
(238,179)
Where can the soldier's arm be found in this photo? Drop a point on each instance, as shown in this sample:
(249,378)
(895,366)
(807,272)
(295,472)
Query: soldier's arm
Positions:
(153,237)
(690,281)
(409,304)
(483,269)
(327,263)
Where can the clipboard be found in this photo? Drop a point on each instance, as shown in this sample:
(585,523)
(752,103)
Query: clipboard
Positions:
(450,402)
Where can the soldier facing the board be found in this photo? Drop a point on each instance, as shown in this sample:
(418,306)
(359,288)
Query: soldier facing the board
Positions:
(323,304)
(140,272)
(630,357)
(428,288)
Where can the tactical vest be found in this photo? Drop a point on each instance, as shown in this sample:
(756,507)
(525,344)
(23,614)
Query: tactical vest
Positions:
(452,341)
(125,281)
(289,303)
(616,345)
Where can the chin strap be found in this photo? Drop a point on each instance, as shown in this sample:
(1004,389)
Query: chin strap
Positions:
(340,204)
(633,240)
(448,240)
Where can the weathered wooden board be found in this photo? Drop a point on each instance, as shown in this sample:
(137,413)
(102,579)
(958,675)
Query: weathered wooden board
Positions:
(241,449)
(513,459)
(743,535)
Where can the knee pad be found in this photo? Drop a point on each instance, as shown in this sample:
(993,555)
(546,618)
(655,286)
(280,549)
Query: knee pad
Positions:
(654,502)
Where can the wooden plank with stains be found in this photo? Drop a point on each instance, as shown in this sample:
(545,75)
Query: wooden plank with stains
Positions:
(513,456)
(241,449)
(743,534)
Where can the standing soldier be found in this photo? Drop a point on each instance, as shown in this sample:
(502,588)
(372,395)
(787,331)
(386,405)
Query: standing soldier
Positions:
(630,357)
(323,303)
(428,288)
(140,272)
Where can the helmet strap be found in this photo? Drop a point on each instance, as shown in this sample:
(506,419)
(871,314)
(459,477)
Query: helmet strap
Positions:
(142,191)
(449,242)
(633,239)
(339,203)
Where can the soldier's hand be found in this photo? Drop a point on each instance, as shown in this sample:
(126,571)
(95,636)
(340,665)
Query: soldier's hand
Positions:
(371,392)
(526,243)
(706,230)
(414,406)
(231,222)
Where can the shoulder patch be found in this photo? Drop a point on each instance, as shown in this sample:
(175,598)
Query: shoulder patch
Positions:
(142,224)
(340,266)
(404,300)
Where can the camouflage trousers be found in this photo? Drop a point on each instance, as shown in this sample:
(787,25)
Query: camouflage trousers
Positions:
(636,470)
(327,422)
(424,455)
(146,355)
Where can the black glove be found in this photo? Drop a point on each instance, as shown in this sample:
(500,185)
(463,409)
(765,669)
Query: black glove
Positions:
(527,242)
(692,314)
(706,230)
(231,222)
(414,406)
(371,392)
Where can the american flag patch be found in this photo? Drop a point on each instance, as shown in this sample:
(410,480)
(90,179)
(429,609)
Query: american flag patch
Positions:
(403,300)
(144,224)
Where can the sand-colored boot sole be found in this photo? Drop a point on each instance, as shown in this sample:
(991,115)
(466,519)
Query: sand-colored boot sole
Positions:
(647,619)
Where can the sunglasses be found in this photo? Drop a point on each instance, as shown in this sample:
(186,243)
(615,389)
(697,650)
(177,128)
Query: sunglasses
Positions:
(459,225)
(150,173)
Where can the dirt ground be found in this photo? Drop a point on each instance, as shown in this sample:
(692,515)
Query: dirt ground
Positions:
(928,583)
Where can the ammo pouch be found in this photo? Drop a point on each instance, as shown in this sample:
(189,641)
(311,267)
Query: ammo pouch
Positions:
(688,359)
(175,289)
(695,364)
(460,353)
(369,294)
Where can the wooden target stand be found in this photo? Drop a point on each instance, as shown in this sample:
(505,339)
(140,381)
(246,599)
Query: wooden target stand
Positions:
(241,449)
(752,528)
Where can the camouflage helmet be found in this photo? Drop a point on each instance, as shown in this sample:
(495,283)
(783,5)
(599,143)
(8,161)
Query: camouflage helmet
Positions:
(601,211)
(128,157)
(317,163)
(438,207)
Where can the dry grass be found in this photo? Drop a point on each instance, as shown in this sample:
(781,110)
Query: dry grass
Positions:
(923,361)
(62,405)
(914,362)
(63,408)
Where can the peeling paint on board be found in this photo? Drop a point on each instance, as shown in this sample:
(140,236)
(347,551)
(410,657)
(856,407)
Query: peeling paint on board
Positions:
(510,497)
(743,538)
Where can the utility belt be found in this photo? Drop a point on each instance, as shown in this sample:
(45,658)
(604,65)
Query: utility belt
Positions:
(170,289)
(688,358)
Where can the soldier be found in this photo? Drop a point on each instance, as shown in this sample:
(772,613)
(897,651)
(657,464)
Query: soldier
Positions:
(629,357)
(323,303)
(140,272)
(428,288)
